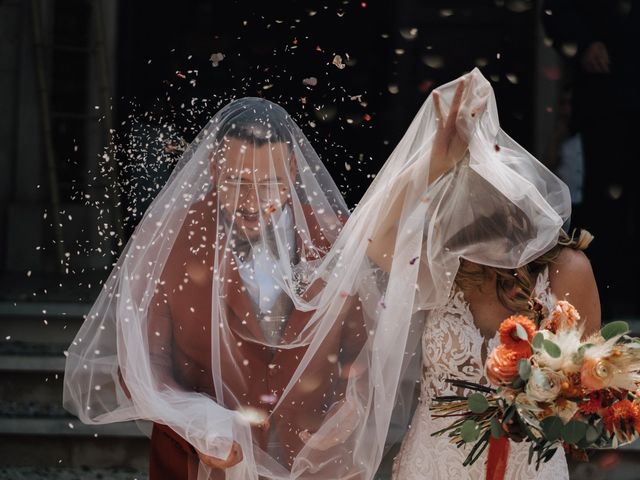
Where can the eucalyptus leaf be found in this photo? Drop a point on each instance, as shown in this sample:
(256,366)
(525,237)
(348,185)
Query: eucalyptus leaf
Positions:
(478,403)
(592,434)
(574,431)
(613,329)
(469,431)
(552,349)
(551,427)
(524,369)
(537,340)
(521,333)
(599,427)
(578,356)
(517,383)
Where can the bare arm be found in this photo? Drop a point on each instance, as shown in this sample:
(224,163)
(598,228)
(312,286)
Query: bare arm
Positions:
(448,149)
(160,334)
(572,279)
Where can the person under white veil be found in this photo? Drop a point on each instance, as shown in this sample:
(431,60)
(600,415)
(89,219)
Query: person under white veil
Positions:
(488,287)
(209,324)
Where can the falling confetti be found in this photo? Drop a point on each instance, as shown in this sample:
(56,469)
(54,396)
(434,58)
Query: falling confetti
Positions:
(337,61)
(253,416)
(409,33)
(216,58)
(569,49)
(433,61)
(512,77)
(269,399)
(310,82)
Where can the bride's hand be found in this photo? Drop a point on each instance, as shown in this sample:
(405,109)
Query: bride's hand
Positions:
(453,132)
(449,144)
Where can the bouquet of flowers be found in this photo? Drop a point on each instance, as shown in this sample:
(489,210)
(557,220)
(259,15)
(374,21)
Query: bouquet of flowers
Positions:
(552,388)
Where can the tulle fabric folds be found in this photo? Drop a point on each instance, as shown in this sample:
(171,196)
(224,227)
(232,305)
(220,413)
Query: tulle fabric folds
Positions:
(245,307)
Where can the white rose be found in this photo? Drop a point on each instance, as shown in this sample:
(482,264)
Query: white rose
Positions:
(544,384)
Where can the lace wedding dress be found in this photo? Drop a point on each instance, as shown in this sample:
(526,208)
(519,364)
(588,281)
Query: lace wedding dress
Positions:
(453,347)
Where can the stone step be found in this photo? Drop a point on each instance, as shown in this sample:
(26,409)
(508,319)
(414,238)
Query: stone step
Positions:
(70,451)
(36,309)
(29,363)
(67,473)
(40,323)
(22,386)
(68,427)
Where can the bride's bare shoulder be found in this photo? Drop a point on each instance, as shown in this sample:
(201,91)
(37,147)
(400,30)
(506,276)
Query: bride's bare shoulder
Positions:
(571,278)
(570,265)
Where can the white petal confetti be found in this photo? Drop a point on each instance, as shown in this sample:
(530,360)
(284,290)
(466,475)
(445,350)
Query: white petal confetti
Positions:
(337,61)
(216,58)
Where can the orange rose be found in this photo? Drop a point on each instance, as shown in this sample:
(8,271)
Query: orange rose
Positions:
(507,330)
(502,365)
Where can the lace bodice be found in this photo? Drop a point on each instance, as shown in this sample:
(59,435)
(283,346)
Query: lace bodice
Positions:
(454,347)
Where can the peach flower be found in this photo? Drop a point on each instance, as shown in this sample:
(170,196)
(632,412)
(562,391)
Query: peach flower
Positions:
(596,373)
(502,365)
(563,317)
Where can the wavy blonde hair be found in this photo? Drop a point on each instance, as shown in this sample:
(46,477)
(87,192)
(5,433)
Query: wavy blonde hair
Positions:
(515,286)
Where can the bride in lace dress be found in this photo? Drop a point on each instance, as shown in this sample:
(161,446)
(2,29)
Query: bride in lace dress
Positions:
(455,343)
(461,330)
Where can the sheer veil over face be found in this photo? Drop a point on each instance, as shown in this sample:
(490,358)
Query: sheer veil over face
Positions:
(245,309)
(213,322)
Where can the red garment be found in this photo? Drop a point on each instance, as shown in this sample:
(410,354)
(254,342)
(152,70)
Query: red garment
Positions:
(180,346)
